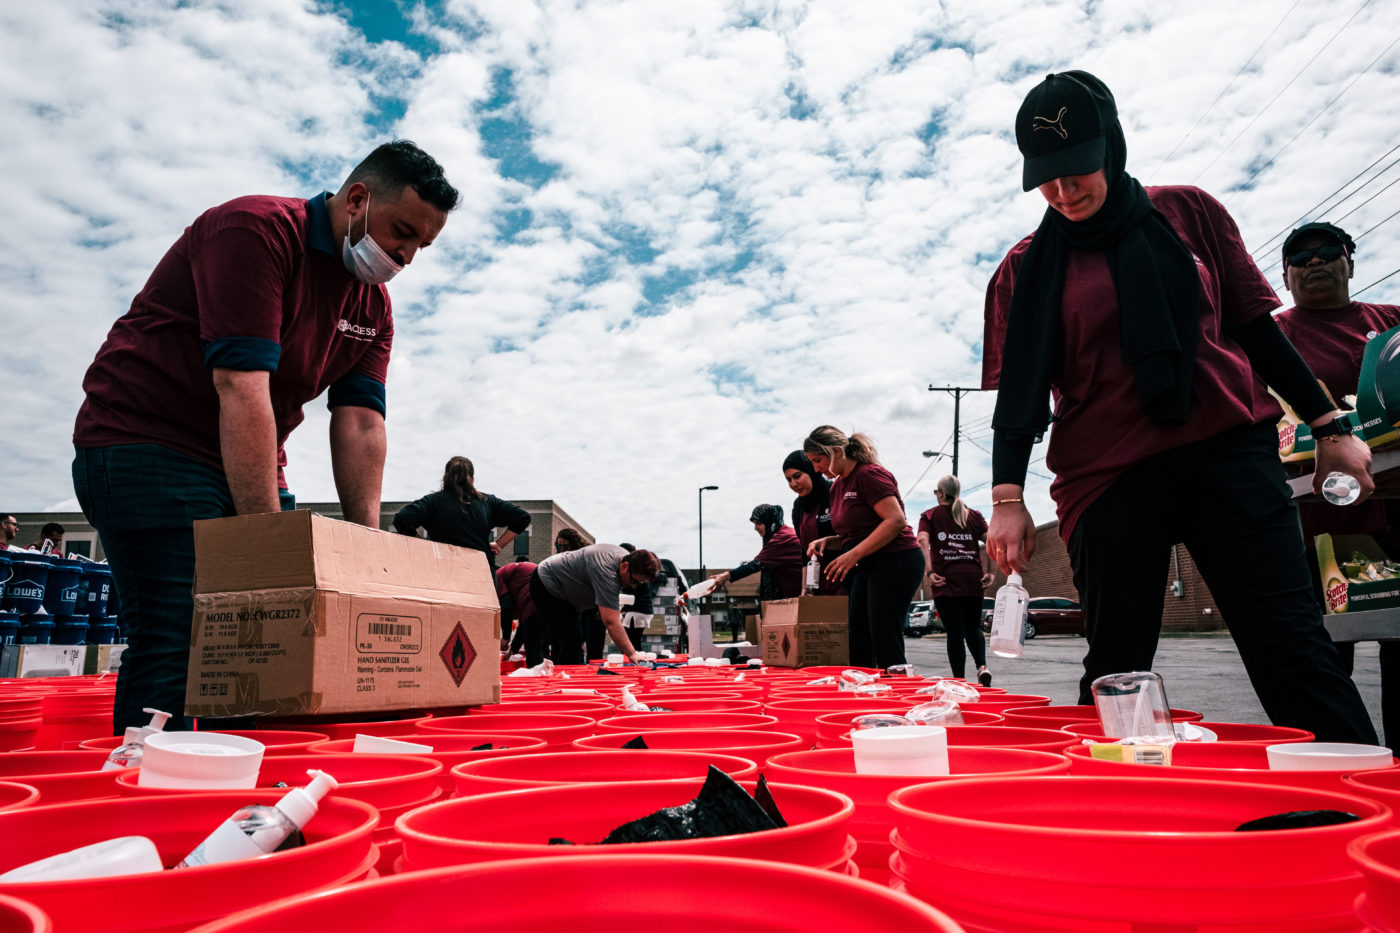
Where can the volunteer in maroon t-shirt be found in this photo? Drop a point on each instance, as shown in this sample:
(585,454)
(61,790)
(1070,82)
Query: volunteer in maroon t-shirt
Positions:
(811,515)
(949,535)
(261,305)
(1141,311)
(780,560)
(1331,332)
(880,558)
(513,593)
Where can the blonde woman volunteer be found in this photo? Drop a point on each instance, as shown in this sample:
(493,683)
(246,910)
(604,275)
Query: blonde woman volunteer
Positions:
(880,561)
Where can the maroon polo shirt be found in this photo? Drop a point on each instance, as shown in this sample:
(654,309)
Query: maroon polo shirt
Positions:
(1331,343)
(515,580)
(254,284)
(853,514)
(1099,429)
(953,551)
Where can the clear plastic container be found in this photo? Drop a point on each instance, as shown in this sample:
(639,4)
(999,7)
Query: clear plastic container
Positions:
(936,713)
(260,829)
(813,581)
(133,749)
(125,855)
(1340,489)
(1133,705)
(1009,619)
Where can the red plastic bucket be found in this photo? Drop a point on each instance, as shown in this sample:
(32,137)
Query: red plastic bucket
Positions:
(519,824)
(1000,702)
(275,741)
(1382,785)
(493,775)
(449,749)
(677,703)
(1061,853)
(702,895)
(755,745)
(13,796)
(73,715)
(338,851)
(17,916)
(1378,857)
(1248,733)
(834,729)
(1057,717)
(1036,740)
(20,719)
(349,727)
(557,729)
(835,769)
(800,716)
(1212,761)
(633,723)
(61,776)
(596,708)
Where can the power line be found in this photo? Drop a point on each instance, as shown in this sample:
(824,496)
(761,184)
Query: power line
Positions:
(1259,250)
(1376,282)
(1227,87)
(1279,261)
(1282,90)
(1315,117)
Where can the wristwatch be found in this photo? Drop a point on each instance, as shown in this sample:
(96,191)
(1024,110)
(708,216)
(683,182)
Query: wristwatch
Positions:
(1337,427)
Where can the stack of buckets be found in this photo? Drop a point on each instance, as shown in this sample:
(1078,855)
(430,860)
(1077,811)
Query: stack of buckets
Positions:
(46,599)
(1025,833)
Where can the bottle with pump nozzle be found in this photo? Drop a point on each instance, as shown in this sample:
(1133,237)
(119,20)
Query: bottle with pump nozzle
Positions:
(813,581)
(1009,619)
(133,747)
(259,829)
(700,589)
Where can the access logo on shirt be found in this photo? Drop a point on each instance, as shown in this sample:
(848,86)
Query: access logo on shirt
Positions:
(356,331)
(943,536)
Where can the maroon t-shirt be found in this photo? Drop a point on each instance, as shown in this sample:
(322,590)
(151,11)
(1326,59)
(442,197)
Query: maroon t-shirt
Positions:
(514,579)
(1100,429)
(1331,343)
(253,284)
(784,557)
(953,551)
(853,514)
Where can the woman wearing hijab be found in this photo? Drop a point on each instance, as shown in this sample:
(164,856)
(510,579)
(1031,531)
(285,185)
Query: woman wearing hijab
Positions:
(779,563)
(1141,312)
(461,514)
(811,514)
(949,536)
(879,557)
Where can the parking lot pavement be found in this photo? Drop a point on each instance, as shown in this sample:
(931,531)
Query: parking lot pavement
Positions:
(1201,672)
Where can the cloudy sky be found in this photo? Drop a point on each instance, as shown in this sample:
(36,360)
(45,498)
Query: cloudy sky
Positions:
(692,230)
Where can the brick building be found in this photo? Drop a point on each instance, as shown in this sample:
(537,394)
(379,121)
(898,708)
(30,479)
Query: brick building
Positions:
(1188,606)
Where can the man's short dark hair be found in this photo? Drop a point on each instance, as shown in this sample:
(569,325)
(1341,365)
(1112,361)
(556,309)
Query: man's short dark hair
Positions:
(642,565)
(51,529)
(401,163)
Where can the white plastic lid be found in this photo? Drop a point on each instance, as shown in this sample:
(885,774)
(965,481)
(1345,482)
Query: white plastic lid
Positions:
(617,659)
(900,742)
(1013,578)
(695,662)
(301,804)
(1327,756)
(716,662)
(379,745)
(208,760)
(755,662)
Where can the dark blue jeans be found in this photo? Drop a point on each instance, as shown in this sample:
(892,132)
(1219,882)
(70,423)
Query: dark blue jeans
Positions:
(144,499)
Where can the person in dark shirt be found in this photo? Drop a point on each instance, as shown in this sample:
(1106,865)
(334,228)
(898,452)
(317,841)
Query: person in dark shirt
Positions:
(461,514)
(1331,332)
(513,592)
(779,562)
(1141,313)
(811,514)
(948,535)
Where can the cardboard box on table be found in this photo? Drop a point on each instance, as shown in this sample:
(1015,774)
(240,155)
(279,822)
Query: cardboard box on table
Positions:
(1376,419)
(804,631)
(103,659)
(1344,594)
(298,614)
(42,660)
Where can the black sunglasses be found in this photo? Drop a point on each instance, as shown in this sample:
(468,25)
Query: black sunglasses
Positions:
(1325,253)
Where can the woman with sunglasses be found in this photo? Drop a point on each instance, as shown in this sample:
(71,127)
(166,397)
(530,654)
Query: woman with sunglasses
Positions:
(879,559)
(1141,311)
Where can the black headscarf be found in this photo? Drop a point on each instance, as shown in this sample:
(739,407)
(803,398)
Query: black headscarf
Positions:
(816,501)
(769,516)
(1158,289)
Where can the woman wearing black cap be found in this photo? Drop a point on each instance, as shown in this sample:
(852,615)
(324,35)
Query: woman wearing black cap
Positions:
(811,514)
(1142,313)
(779,563)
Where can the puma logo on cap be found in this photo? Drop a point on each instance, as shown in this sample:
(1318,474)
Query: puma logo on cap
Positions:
(1056,125)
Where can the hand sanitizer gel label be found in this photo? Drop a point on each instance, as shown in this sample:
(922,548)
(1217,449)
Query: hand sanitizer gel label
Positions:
(228,843)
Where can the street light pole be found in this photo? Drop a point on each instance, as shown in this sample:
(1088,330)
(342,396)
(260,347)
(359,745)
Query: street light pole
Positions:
(700,507)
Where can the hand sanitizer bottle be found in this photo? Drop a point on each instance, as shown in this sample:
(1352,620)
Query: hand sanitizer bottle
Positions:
(1009,619)
(813,580)
(259,829)
(128,754)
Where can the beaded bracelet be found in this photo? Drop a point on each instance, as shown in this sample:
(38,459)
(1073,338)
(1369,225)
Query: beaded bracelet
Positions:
(996,502)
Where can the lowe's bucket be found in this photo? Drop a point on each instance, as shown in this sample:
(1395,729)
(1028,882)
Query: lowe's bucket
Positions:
(63,587)
(99,589)
(70,630)
(9,628)
(702,894)
(28,577)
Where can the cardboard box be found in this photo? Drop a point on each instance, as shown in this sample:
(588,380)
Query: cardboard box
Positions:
(298,614)
(1376,419)
(751,622)
(657,625)
(1344,594)
(42,660)
(804,631)
(103,659)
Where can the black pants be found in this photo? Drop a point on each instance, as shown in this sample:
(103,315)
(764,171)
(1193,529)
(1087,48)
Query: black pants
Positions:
(556,619)
(1224,499)
(595,636)
(962,620)
(882,586)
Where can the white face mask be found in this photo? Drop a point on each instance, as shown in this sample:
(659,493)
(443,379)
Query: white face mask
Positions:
(365,260)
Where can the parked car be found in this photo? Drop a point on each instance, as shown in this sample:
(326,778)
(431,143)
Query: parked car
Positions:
(921,619)
(1045,615)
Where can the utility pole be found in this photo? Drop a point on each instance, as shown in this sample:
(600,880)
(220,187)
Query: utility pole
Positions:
(958,392)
